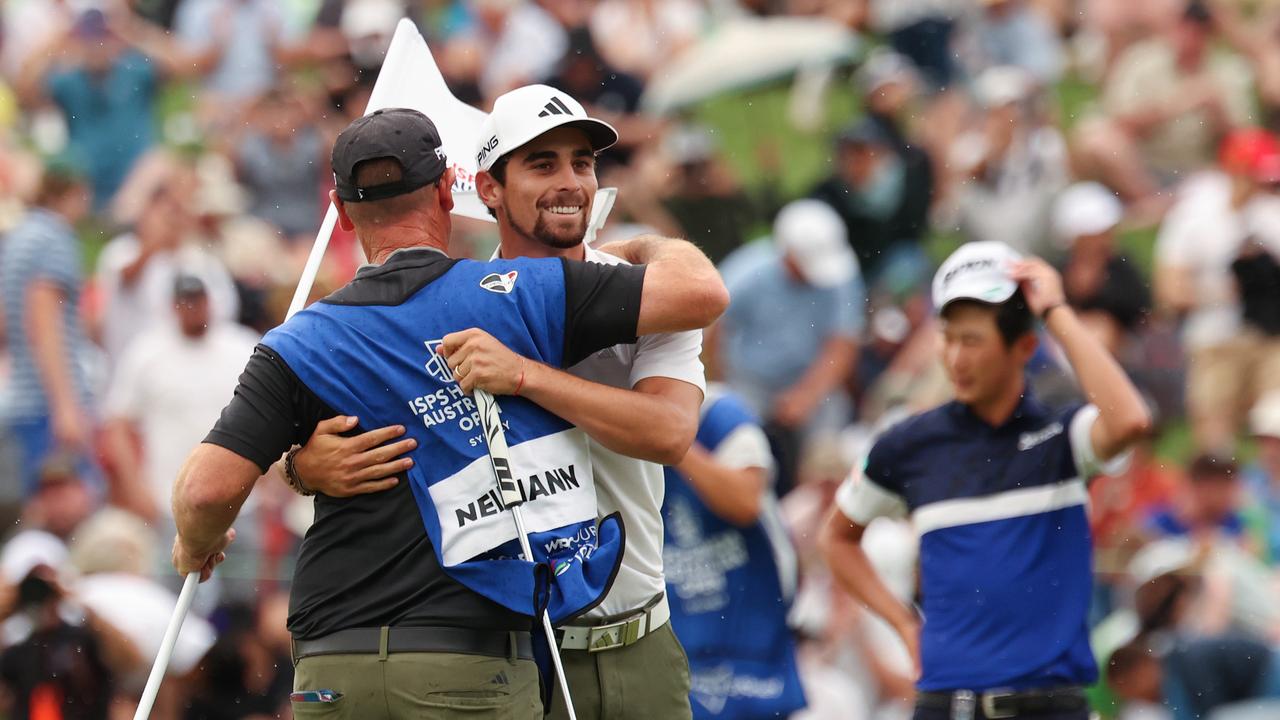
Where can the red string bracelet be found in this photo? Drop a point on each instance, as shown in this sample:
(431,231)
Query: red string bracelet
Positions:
(519,384)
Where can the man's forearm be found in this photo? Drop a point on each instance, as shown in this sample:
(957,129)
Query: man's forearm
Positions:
(830,368)
(682,289)
(637,424)
(130,491)
(211,487)
(168,53)
(1174,290)
(1139,123)
(48,348)
(854,572)
(732,493)
(1120,408)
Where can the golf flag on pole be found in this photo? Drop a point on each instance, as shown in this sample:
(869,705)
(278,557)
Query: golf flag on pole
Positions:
(410,78)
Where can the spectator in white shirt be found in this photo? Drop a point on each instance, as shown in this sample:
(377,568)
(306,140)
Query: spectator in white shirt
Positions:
(1218,218)
(136,272)
(170,386)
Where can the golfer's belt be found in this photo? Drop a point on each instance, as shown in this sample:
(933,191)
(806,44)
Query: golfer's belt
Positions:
(390,640)
(617,631)
(998,704)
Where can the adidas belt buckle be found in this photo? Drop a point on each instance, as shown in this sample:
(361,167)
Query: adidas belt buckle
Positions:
(619,634)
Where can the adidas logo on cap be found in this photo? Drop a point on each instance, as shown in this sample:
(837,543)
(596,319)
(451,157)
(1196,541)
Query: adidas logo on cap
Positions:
(555,107)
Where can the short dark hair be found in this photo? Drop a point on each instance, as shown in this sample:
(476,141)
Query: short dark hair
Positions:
(1197,12)
(1013,317)
(1127,658)
(377,171)
(1208,466)
(499,172)
(1156,601)
(56,183)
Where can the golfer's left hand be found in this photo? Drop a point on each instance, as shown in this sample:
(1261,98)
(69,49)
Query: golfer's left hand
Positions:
(202,560)
(479,360)
(1041,284)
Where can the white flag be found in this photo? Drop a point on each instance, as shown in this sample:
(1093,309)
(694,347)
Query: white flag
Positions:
(410,78)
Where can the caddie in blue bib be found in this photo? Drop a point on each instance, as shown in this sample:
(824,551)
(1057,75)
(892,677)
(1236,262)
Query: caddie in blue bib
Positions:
(730,587)
(369,350)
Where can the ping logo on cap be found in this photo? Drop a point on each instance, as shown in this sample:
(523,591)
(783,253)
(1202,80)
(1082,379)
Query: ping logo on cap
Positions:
(555,107)
(488,147)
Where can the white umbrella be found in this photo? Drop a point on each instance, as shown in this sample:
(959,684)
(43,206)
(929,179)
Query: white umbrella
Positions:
(747,52)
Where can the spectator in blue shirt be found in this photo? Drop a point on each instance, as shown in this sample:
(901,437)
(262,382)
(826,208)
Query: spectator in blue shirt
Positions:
(1018,33)
(1210,505)
(789,339)
(104,76)
(47,406)
(995,483)
(247,37)
(105,90)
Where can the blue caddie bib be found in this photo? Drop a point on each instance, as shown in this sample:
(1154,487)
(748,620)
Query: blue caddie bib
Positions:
(379,363)
(727,593)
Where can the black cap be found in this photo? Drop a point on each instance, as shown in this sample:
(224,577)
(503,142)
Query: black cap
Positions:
(91,25)
(1198,12)
(863,132)
(404,135)
(188,286)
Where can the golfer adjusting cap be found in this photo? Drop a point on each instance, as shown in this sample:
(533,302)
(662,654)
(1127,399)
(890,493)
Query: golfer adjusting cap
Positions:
(977,271)
(401,134)
(815,238)
(525,113)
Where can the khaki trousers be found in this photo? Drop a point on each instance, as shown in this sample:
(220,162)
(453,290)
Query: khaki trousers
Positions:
(404,686)
(645,681)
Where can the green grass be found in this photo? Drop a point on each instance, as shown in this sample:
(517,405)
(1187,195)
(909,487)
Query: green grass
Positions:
(753,123)
(1139,244)
(1074,96)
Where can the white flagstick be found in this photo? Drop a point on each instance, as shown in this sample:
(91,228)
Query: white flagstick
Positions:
(312,267)
(166,646)
(500,460)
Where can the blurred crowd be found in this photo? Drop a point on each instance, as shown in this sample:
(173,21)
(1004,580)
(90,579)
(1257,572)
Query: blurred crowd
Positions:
(164,171)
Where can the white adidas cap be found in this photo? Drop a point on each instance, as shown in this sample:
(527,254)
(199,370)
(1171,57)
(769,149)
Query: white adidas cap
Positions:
(814,236)
(527,112)
(977,271)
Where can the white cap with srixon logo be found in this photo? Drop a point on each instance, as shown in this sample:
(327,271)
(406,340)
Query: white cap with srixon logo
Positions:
(977,271)
(527,112)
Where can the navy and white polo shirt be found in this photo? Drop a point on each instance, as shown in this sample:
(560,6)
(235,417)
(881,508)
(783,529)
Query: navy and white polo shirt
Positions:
(1005,552)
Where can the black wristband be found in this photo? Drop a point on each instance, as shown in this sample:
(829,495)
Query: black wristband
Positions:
(1044,316)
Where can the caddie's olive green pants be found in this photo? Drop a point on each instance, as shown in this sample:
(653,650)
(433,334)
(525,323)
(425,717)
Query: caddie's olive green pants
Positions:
(409,686)
(645,681)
